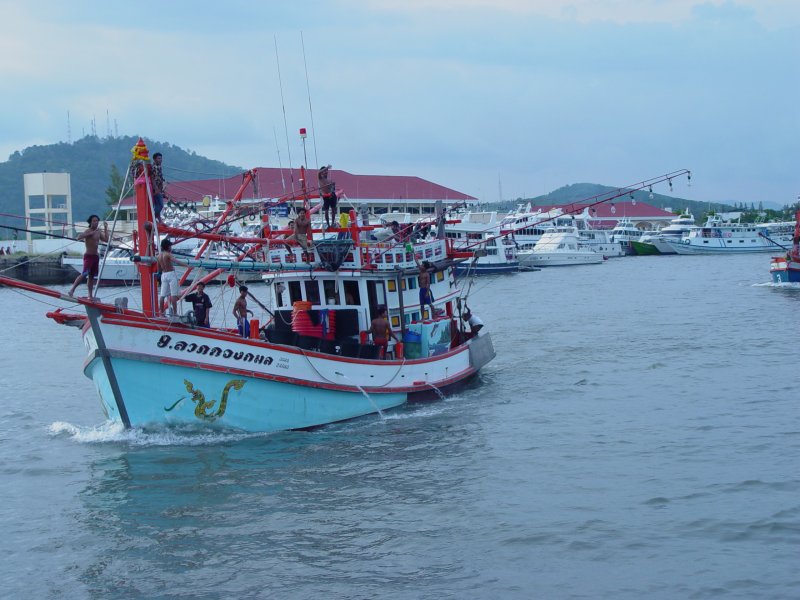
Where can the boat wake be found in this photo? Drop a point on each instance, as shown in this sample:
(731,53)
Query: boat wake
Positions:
(787,285)
(114,433)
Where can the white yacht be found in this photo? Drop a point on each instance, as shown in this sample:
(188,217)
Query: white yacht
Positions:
(625,232)
(557,248)
(657,242)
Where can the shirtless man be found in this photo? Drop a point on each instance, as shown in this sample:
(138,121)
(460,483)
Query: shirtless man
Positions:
(381,330)
(301,226)
(425,294)
(327,190)
(170,286)
(91,259)
(240,312)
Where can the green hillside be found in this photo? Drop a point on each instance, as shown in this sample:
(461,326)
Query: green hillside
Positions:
(89,161)
(580,192)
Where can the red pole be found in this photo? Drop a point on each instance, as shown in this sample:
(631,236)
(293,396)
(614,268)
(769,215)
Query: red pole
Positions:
(146,238)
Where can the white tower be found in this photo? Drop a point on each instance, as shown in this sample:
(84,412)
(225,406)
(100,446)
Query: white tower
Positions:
(48,205)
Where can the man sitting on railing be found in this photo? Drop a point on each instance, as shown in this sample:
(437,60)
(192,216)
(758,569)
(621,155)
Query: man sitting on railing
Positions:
(301,227)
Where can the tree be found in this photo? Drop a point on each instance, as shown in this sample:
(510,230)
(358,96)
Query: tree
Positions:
(114,190)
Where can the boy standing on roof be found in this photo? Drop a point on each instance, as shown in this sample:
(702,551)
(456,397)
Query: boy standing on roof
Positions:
(159,192)
(327,190)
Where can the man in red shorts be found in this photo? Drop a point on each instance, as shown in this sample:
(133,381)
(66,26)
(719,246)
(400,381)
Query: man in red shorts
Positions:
(91,259)
(381,331)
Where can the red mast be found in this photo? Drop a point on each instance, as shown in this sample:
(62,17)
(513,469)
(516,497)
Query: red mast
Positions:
(144,227)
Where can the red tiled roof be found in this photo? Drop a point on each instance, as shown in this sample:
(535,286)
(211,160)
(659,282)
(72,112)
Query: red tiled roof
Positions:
(271,181)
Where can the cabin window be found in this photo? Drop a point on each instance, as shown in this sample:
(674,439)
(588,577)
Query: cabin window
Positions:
(295,295)
(351,294)
(312,292)
(439,275)
(395,321)
(391,285)
(330,291)
(410,283)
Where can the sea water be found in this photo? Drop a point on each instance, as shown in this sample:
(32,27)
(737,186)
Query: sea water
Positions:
(637,436)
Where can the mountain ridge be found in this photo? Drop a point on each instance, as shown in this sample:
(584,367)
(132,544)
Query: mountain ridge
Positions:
(89,161)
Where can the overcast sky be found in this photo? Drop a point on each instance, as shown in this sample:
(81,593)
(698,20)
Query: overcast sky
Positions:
(478,95)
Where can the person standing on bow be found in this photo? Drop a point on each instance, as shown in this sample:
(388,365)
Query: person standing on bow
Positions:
(201,304)
(91,258)
(327,191)
(240,312)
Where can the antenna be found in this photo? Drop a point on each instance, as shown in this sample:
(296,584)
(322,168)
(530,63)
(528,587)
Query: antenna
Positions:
(94,126)
(310,111)
(499,188)
(278,150)
(108,125)
(283,106)
(69,130)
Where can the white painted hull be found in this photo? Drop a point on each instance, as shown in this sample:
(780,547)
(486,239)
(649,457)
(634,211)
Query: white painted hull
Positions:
(558,259)
(147,374)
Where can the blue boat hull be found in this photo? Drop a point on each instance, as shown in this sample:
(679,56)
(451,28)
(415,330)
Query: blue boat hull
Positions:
(489,269)
(164,394)
(785,271)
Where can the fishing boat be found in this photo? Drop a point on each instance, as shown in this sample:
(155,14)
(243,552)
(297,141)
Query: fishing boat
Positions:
(558,248)
(786,268)
(717,236)
(311,364)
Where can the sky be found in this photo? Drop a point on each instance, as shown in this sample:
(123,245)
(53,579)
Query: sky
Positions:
(499,99)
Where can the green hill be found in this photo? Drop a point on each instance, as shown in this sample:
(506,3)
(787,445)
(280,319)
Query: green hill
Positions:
(580,192)
(89,161)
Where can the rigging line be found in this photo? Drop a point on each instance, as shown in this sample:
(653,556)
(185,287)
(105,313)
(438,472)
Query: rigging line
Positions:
(310,110)
(215,175)
(113,225)
(285,124)
(280,164)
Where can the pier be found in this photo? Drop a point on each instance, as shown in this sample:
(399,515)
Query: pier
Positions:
(39,269)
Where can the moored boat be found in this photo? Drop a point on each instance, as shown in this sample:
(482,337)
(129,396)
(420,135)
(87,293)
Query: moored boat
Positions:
(786,268)
(557,248)
(723,237)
